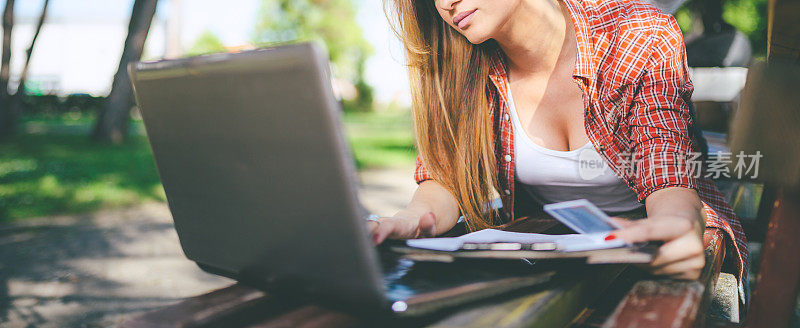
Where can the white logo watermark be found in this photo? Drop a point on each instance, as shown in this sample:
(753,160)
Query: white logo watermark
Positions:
(716,165)
(590,164)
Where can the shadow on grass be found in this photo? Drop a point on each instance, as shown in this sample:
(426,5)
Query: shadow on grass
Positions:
(51,174)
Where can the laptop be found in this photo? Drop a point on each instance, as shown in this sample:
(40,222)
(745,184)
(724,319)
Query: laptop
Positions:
(262,186)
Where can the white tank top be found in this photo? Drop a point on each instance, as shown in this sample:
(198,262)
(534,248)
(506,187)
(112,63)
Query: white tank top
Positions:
(552,176)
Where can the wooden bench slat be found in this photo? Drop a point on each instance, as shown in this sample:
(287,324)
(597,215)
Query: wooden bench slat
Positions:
(670,303)
(783,31)
(556,303)
(310,317)
(237,303)
(775,295)
(555,306)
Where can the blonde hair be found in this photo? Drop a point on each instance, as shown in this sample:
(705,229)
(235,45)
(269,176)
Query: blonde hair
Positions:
(450,109)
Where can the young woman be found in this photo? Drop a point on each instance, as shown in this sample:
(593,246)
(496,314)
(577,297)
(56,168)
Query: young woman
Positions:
(514,97)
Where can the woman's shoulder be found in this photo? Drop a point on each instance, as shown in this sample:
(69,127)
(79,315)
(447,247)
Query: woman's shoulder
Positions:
(621,16)
(626,35)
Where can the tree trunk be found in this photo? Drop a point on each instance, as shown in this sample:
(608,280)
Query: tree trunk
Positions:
(112,121)
(16,100)
(7,121)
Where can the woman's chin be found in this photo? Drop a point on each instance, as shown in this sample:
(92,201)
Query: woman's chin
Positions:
(476,38)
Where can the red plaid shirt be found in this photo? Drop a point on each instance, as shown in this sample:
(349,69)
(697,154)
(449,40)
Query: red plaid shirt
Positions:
(632,70)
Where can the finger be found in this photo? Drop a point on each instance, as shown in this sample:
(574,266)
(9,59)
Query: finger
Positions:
(623,222)
(687,269)
(686,246)
(378,237)
(693,275)
(654,229)
(372,226)
(427,225)
(383,231)
(396,228)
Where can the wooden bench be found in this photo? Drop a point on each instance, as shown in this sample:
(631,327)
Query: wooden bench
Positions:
(773,88)
(661,302)
(561,302)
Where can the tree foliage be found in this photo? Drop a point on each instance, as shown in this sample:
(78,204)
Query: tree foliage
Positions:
(206,43)
(750,17)
(332,22)
(747,16)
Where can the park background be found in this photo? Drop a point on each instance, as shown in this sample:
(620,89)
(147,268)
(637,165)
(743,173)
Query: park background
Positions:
(85,236)
(52,164)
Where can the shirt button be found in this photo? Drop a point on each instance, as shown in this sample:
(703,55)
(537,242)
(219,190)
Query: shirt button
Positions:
(507,158)
(508,118)
(507,192)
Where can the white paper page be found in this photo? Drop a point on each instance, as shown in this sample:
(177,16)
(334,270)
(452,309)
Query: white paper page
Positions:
(565,243)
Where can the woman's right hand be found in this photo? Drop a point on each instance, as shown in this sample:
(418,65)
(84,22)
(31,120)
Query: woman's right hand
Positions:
(402,226)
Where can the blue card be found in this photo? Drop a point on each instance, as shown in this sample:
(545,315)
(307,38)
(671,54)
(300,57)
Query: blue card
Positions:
(582,216)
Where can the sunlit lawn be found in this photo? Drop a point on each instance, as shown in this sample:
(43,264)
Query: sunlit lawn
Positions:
(53,167)
(52,174)
(381,140)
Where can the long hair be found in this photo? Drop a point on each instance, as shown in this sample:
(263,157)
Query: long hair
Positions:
(449,79)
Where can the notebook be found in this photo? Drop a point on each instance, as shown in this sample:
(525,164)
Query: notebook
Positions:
(591,224)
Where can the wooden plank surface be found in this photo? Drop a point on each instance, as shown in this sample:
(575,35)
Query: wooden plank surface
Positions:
(556,305)
(776,287)
(766,124)
(553,304)
(672,303)
(232,304)
(650,302)
(783,31)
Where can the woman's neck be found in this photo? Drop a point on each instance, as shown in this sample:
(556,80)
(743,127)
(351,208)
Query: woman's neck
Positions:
(536,38)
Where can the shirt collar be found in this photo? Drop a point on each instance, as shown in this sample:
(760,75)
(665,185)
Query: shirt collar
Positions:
(584,66)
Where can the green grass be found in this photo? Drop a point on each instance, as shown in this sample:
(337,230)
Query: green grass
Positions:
(53,168)
(381,139)
(51,174)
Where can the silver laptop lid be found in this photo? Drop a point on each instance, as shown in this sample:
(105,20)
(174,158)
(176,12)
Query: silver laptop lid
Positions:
(258,176)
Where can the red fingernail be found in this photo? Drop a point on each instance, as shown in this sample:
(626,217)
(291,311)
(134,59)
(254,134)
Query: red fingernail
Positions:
(610,237)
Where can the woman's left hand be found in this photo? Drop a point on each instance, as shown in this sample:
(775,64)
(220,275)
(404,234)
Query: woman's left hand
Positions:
(681,256)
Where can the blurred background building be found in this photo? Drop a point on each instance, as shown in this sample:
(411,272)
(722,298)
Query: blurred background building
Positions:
(77,55)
